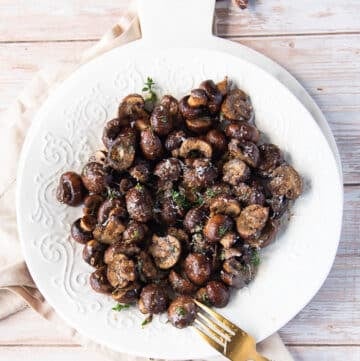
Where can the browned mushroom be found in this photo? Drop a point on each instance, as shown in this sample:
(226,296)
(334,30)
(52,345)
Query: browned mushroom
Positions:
(217,140)
(146,267)
(169,169)
(214,95)
(236,106)
(278,206)
(166,251)
(142,124)
(125,184)
(244,150)
(232,252)
(188,111)
(93,253)
(250,194)
(200,173)
(217,226)
(285,181)
(128,294)
(217,293)
(111,207)
(180,234)
(174,140)
(267,235)
(110,231)
(194,219)
(215,190)
(70,189)
(225,205)
(229,239)
(171,104)
(270,158)
(95,177)
(121,271)
(139,203)
(92,204)
(150,144)
(112,129)
(161,120)
(88,223)
(122,153)
(125,248)
(223,86)
(182,312)
(180,284)
(140,171)
(236,274)
(235,171)
(197,268)
(199,125)
(99,282)
(79,234)
(132,108)
(242,131)
(252,220)
(135,232)
(191,145)
(153,299)
(197,98)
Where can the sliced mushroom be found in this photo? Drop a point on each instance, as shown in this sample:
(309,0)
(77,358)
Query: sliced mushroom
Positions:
(235,171)
(201,173)
(214,95)
(92,204)
(217,140)
(121,153)
(99,282)
(127,249)
(199,125)
(140,171)
(225,205)
(189,112)
(244,150)
(93,253)
(70,189)
(252,220)
(112,129)
(146,267)
(182,311)
(132,108)
(195,145)
(95,177)
(228,240)
(236,274)
(111,207)
(236,106)
(270,158)
(79,234)
(285,181)
(180,284)
(150,144)
(267,235)
(153,299)
(165,251)
(128,294)
(194,219)
(242,131)
(217,226)
(139,203)
(121,271)
(110,231)
(169,169)
(161,120)
(197,268)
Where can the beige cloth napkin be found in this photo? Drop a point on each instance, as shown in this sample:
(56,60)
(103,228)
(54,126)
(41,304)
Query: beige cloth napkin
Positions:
(17,289)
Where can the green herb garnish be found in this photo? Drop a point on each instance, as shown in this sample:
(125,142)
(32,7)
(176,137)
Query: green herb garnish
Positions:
(146,321)
(222,255)
(179,199)
(151,96)
(139,187)
(180,311)
(210,193)
(119,307)
(222,230)
(112,193)
(255,259)
(200,200)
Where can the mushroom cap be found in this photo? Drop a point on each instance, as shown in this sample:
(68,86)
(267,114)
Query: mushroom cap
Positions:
(166,251)
(195,144)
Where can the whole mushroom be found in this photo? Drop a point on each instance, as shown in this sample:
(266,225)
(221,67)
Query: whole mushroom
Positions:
(70,189)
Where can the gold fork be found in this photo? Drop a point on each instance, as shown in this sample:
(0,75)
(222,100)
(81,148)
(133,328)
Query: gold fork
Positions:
(224,336)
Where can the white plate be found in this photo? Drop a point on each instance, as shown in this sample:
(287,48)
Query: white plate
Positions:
(66,131)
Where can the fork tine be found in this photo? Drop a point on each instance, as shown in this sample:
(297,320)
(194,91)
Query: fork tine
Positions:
(218,317)
(218,338)
(215,327)
(208,339)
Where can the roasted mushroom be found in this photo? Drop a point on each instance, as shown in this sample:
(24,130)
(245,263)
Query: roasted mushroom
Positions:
(267,235)
(99,282)
(285,181)
(197,98)
(139,203)
(70,189)
(235,171)
(242,131)
(79,234)
(188,111)
(92,204)
(244,150)
(192,145)
(217,226)
(194,219)
(199,125)
(278,206)
(213,94)
(121,271)
(217,294)
(250,194)
(153,299)
(252,220)
(112,129)
(110,231)
(121,153)
(111,207)
(217,140)
(128,249)
(161,120)
(125,184)
(237,274)
(182,312)
(135,232)
(199,173)
(146,267)
(128,294)
(95,177)
(197,268)
(236,106)
(174,140)
(166,251)
(169,169)
(93,253)
(270,158)
(180,284)
(223,86)
(132,108)
(225,205)
(150,144)
(229,239)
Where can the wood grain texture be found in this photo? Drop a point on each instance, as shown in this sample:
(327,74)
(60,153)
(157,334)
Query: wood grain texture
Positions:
(84,19)
(331,74)
(332,317)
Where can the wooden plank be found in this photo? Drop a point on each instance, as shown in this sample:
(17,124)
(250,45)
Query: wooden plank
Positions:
(46,353)
(81,19)
(331,74)
(332,317)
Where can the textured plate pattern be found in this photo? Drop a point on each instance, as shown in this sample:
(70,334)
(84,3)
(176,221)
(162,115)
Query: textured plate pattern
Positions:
(67,131)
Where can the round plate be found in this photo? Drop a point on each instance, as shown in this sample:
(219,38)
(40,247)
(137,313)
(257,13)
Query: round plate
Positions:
(67,130)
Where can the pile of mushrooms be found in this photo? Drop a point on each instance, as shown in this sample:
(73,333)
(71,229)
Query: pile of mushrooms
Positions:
(180,201)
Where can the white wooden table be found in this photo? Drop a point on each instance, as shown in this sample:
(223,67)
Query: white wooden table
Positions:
(318,41)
